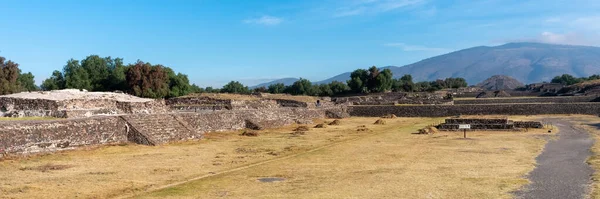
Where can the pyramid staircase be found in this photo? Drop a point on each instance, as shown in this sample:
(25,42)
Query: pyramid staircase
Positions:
(155,129)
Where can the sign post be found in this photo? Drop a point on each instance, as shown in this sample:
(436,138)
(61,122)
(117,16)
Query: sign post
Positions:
(464,127)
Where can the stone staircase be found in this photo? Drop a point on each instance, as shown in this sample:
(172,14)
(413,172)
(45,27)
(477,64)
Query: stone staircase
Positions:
(155,129)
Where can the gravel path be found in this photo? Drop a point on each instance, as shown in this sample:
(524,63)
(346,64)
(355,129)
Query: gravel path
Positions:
(562,171)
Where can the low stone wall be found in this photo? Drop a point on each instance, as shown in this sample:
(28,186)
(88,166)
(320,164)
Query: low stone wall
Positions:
(234,120)
(24,137)
(528,124)
(394,98)
(454,127)
(208,103)
(253,104)
(488,109)
(572,99)
(150,107)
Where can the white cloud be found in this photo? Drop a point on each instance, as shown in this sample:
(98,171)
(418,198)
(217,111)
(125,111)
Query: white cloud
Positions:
(407,47)
(550,37)
(373,7)
(589,23)
(265,20)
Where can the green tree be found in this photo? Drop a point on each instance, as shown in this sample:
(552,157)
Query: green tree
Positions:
(301,87)
(325,90)
(27,82)
(196,89)
(261,89)
(76,76)
(212,90)
(593,77)
(566,79)
(338,87)
(455,82)
(276,88)
(117,79)
(179,84)
(55,82)
(383,81)
(372,82)
(358,81)
(98,72)
(235,87)
(9,74)
(423,86)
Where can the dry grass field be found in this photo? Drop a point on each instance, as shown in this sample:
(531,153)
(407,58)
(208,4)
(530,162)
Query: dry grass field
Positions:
(27,118)
(356,159)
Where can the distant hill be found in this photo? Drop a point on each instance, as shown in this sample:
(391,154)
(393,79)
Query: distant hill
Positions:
(526,62)
(285,81)
(500,82)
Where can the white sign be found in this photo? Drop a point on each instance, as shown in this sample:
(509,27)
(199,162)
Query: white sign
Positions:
(464,126)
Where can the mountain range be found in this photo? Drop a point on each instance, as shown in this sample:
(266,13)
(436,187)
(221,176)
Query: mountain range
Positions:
(526,62)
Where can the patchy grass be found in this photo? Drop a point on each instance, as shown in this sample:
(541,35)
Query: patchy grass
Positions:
(334,162)
(46,168)
(389,162)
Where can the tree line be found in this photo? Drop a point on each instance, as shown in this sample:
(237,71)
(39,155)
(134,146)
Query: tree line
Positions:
(567,79)
(143,79)
(362,81)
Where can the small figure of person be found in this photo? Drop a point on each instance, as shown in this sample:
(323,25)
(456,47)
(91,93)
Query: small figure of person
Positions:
(318,103)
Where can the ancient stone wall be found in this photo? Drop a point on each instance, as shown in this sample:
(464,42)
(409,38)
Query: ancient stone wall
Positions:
(474,109)
(150,107)
(47,136)
(394,98)
(14,107)
(253,104)
(75,108)
(571,99)
(25,137)
(234,120)
(192,104)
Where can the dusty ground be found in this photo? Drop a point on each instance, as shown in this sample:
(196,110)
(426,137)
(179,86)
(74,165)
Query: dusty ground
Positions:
(333,162)
(592,125)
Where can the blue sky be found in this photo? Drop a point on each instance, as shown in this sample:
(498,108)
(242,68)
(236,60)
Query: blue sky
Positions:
(216,41)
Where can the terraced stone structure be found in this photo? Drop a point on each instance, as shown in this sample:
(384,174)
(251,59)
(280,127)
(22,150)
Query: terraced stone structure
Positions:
(72,103)
(97,118)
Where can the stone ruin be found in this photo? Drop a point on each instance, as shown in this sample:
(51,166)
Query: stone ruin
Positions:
(73,103)
(394,98)
(492,94)
(94,118)
(452,124)
(211,102)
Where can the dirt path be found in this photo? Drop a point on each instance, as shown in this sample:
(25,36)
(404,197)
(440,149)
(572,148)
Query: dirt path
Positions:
(562,171)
